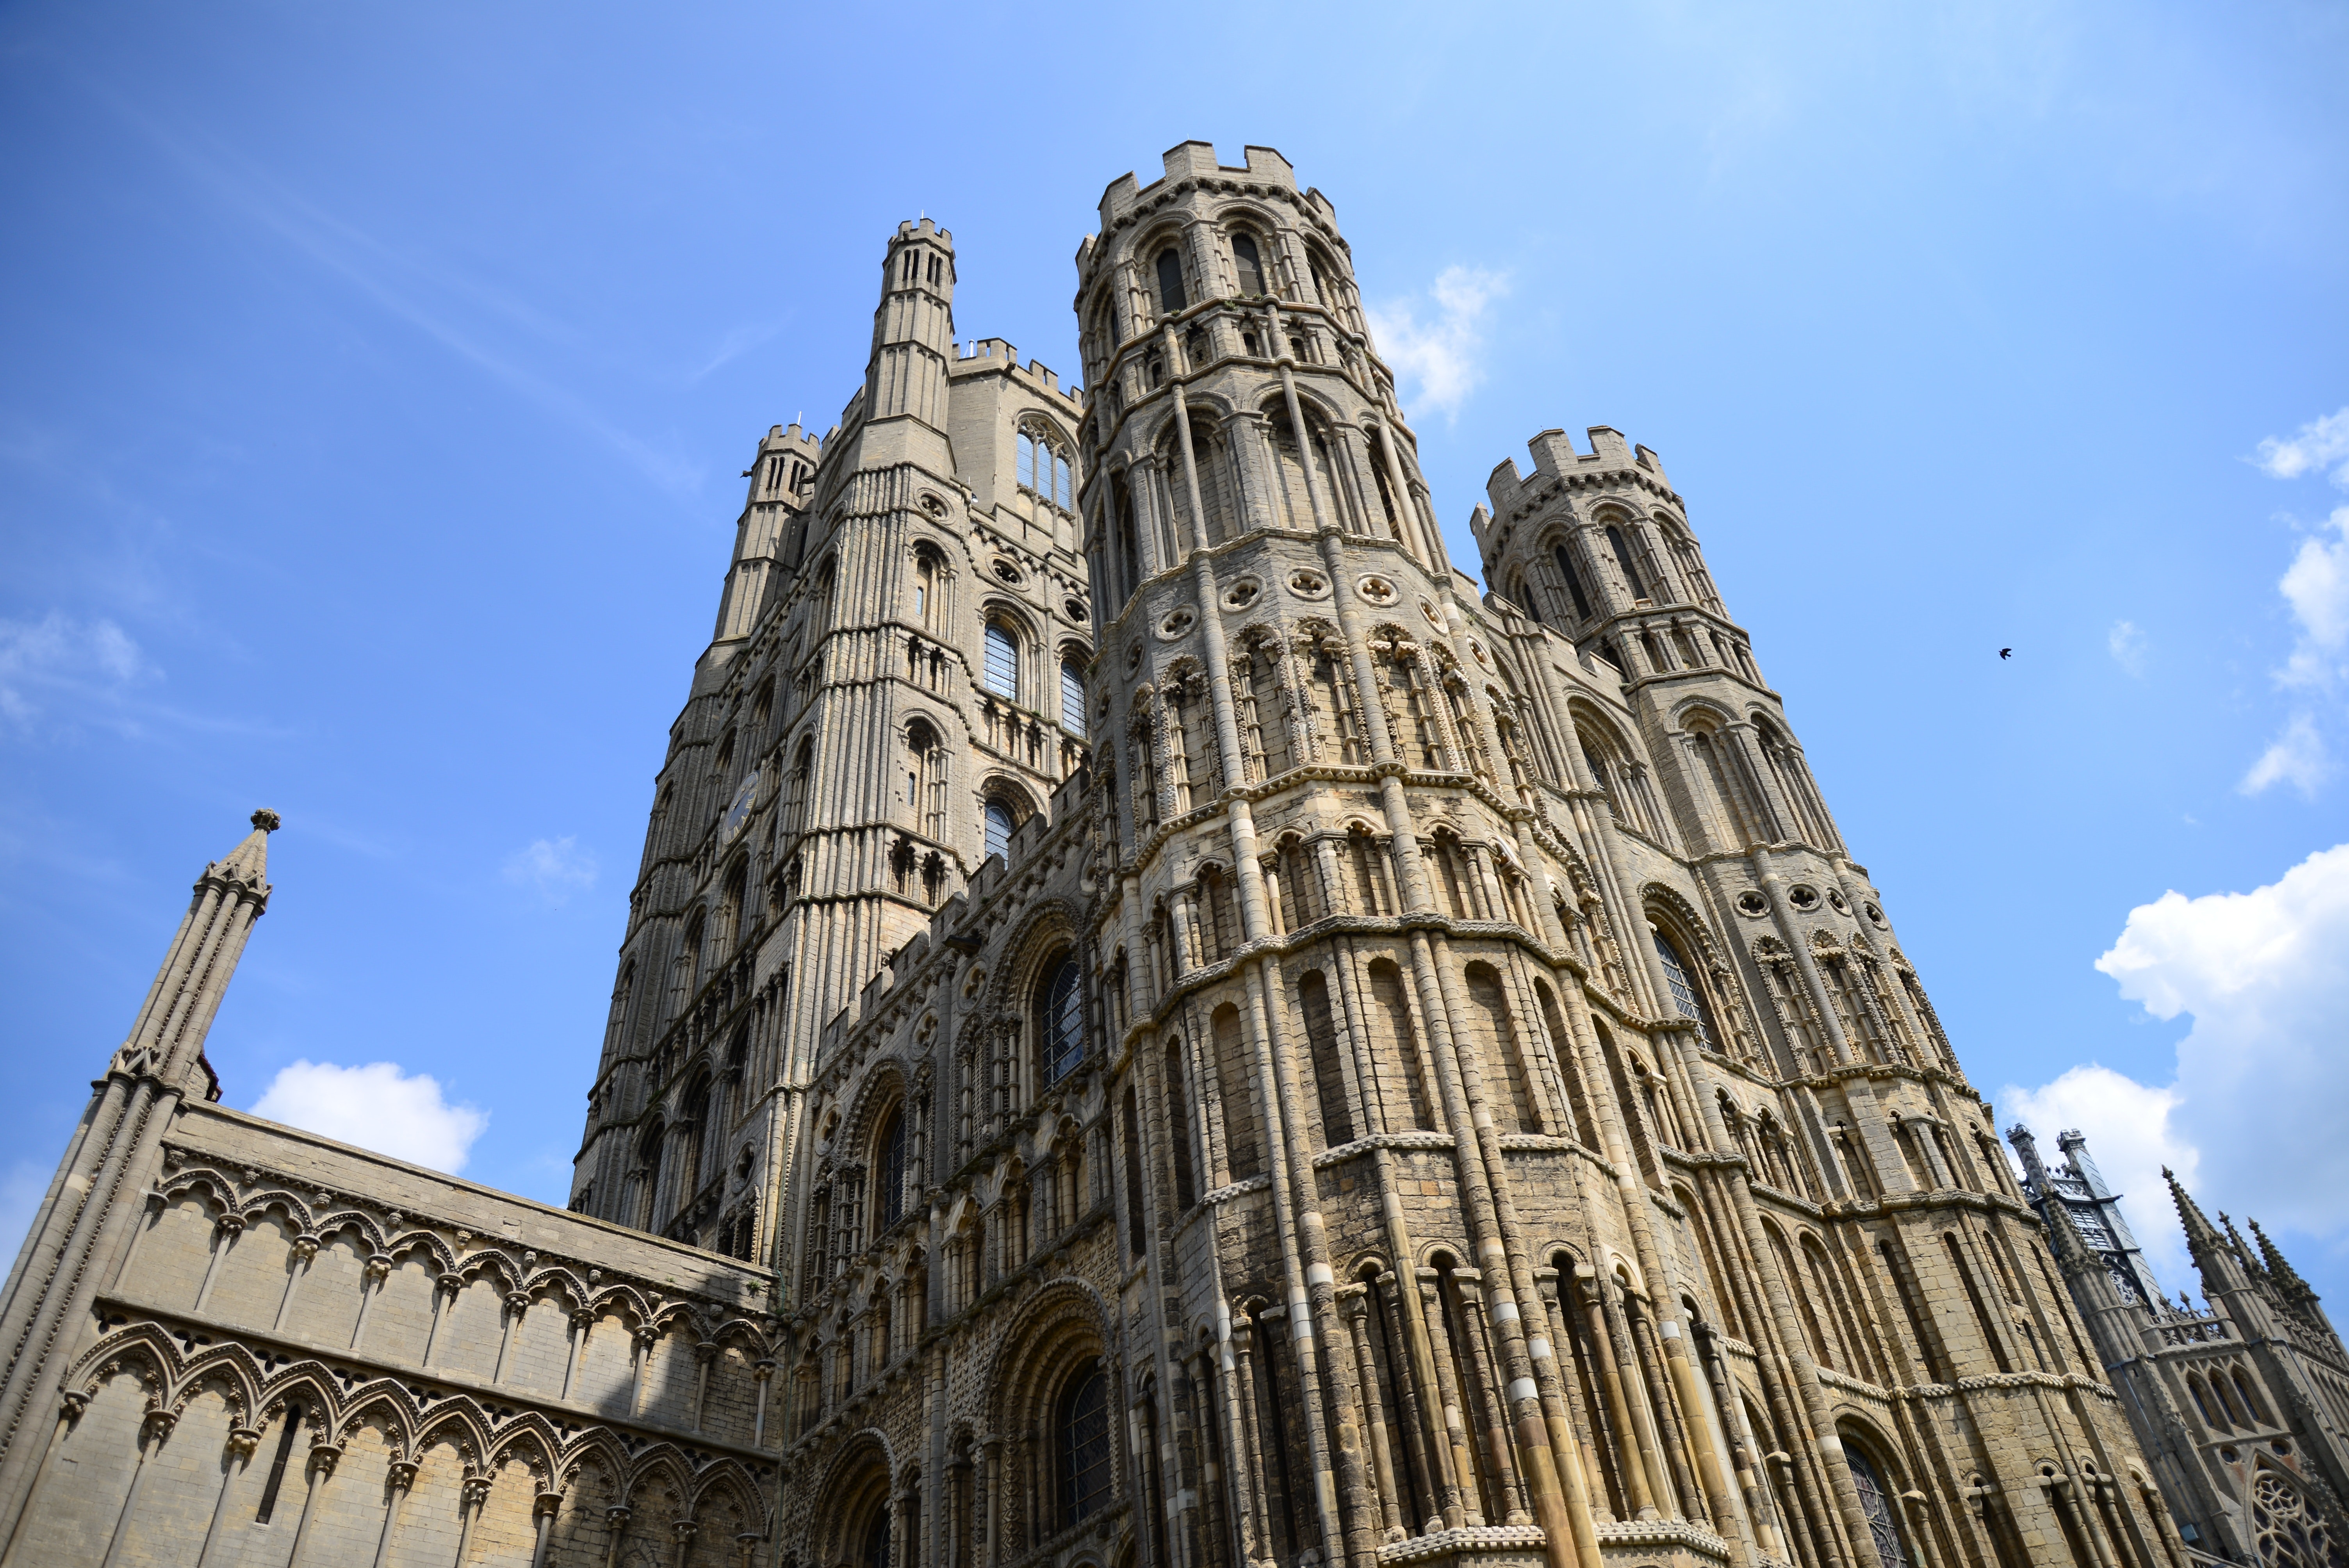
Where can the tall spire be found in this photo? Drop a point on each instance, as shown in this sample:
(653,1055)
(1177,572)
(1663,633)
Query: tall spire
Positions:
(166,1040)
(2295,1289)
(91,1208)
(2199,1232)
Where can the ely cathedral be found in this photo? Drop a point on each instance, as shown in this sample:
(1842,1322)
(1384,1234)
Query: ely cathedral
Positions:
(1160,1025)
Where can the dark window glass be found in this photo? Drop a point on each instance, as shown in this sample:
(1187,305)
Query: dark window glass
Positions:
(1686,997)
(1251,264)
(999,830)
(1573,581)
(1169,281)
(1876,1509)
(1081,1428)
(277,1465)
(892,1169)
(1623,560)
(1064,1020)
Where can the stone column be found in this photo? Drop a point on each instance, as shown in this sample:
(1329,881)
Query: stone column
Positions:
(154,1431)
(242,1441)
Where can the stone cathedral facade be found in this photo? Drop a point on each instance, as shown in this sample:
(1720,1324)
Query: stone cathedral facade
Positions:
(2241,1405)
(1159,1026)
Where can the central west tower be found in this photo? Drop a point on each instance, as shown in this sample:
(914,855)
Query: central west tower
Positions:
(1242,1050)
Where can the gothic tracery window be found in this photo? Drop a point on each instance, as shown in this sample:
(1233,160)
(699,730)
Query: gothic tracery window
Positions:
(1688,999)
(1081,1444)
(1062,1020)
(1876,1508)
(1044,466)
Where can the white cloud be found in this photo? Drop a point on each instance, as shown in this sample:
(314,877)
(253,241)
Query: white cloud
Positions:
(1440,357)
(376,1107)
(2265,975)
(2317,444)
(554,868)
(2298,758)
(2126,644)
(2130,1138)
(2316,586)
(60,653)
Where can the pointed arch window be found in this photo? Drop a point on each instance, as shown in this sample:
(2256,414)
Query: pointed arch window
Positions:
(1062,1017)
(1688,999)
(1249,262)
(1080,1441)
(1573,581)
(1171,298)
(1623,559)
(999,830)
(1002,662)
(1043,466)
(1877,1509)
(891,1162)
(1073,697)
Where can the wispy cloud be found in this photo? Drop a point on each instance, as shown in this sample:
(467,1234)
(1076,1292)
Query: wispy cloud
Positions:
(553,868)
(402,284)
(2318,444)
(737,343)
(2126,644)
(2316,589)
(377,1106)
(2298,757)
(1442,356)
(69,657)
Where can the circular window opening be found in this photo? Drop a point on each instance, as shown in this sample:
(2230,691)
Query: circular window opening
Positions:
(1803,898)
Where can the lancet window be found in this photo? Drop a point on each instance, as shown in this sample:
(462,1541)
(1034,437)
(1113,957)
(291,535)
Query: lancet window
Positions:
(1044,466)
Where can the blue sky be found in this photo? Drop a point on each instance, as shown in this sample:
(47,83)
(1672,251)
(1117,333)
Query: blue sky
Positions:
(375,380)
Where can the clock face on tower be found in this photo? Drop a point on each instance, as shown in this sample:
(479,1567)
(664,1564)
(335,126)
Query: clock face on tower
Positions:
(739,811)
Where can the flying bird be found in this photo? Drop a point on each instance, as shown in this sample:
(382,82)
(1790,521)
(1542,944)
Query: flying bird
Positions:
(2006,653)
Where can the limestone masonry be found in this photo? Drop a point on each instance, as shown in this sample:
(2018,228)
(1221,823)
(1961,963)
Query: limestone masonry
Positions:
(1159,1026)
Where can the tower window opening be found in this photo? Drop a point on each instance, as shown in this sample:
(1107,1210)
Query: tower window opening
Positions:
(937,270)
(1171,298)
(999,830)
(1002,664)
(1250,265)
(1573,581)
(1623,559)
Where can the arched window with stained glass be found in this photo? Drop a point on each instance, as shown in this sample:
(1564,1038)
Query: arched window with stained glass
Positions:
(1689,999)
(1061,1018)
(1081,1444)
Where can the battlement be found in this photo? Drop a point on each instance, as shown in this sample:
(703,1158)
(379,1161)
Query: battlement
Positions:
(993,355)
(924,230)
(780,437)
(1513,492)
(1195,161)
